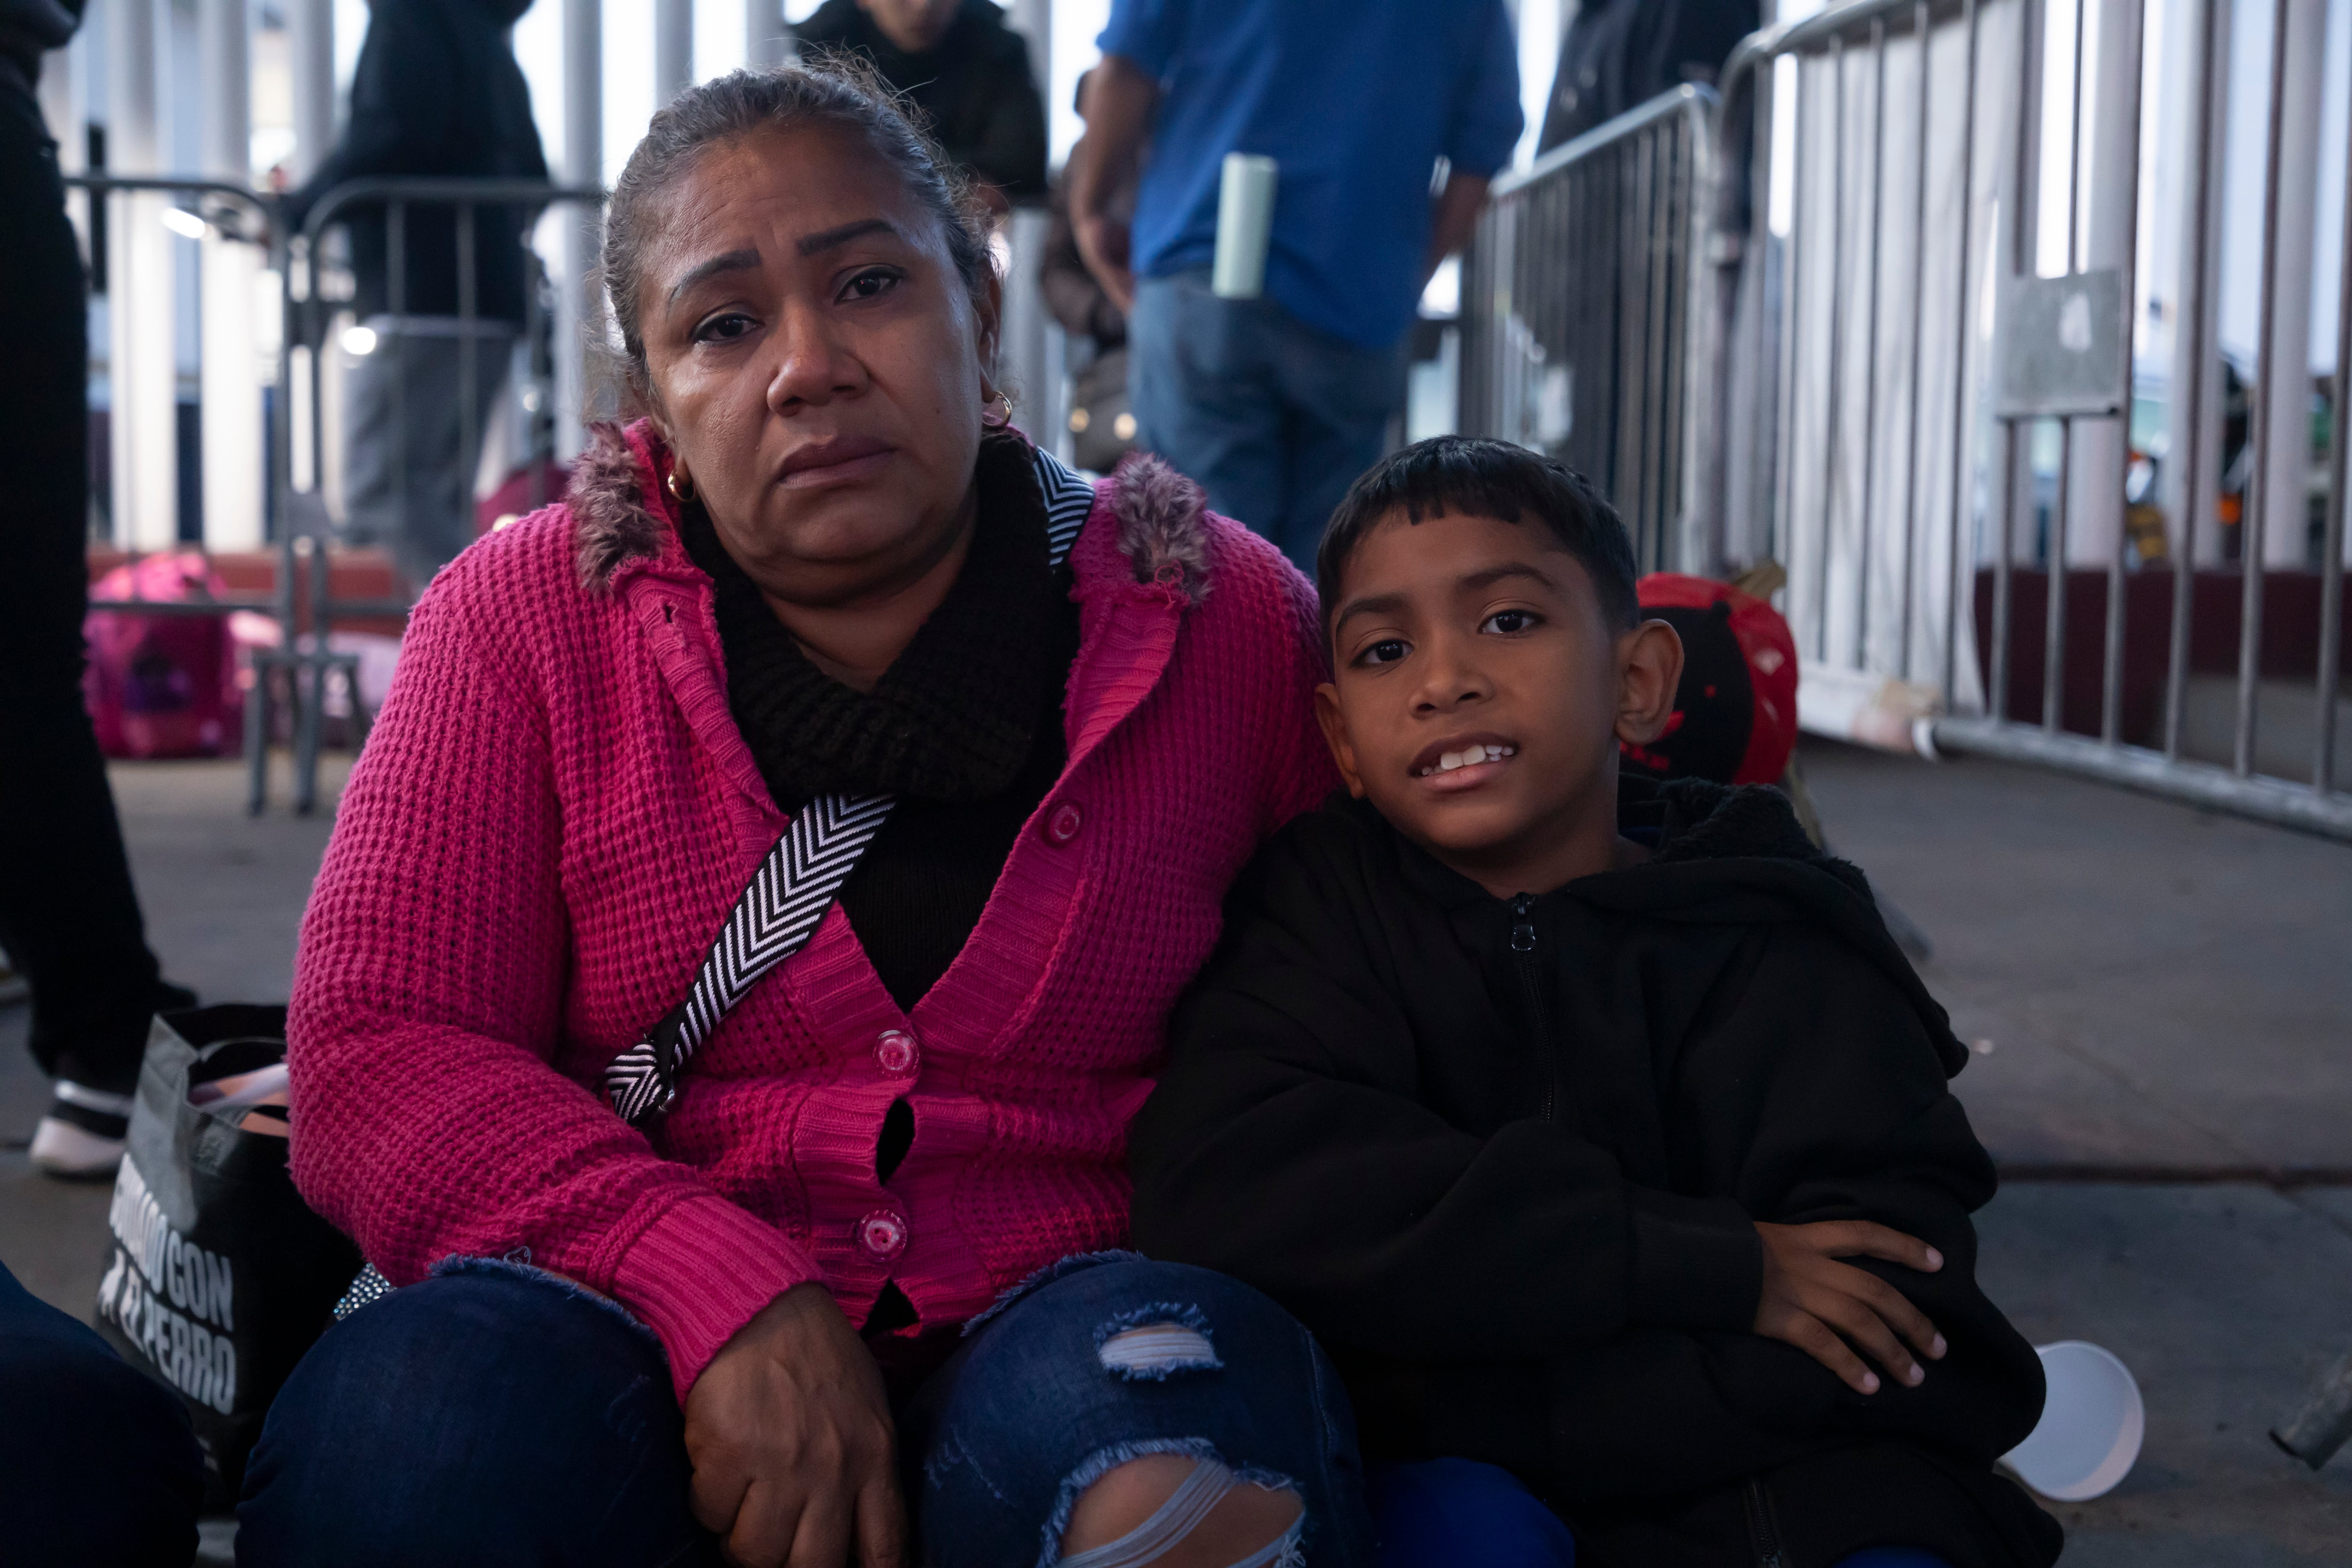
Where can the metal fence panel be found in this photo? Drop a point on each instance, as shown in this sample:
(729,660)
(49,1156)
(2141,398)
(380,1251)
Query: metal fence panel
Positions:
(306,579)
(1580,313)
(1882,289)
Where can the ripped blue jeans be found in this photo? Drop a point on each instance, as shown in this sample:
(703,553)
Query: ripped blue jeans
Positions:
(496,1415)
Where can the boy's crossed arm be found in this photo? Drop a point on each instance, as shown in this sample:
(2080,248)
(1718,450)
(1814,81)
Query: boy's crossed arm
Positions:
(1811,1298)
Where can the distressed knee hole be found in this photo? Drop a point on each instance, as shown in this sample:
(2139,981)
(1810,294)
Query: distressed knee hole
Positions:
(1156,1341)
(1156,1350)
(1181,1510)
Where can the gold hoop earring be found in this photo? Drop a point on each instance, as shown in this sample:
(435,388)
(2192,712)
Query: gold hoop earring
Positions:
(679,493)
(986,423)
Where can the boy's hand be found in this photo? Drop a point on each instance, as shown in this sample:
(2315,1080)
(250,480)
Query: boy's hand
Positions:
(1814,1302)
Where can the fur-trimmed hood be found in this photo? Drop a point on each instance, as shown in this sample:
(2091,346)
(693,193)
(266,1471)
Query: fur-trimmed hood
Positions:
(619,514)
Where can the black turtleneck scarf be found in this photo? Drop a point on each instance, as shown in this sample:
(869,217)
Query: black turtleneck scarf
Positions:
(965,728)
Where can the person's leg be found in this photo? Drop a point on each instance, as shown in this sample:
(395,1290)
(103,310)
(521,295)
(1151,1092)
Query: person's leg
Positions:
(1121,1412)
(427,488)
(1434,1513)
(97,1461)
(1206,396)
(1337,399)
(489,1415)
(439,519)
(374,450)
(69,916)
(400,447)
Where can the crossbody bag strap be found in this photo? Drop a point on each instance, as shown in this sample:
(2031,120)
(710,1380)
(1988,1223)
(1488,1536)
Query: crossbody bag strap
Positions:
(797,882)
(795,885)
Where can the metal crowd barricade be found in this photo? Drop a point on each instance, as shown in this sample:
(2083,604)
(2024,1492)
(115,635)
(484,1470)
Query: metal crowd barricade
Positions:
(1875,438)
(1577,311)
(1843,398)
(310,607)
(1803,325)
(237,215)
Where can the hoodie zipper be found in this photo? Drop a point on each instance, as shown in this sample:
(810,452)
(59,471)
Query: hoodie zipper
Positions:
(1764,1527)
(1523,949)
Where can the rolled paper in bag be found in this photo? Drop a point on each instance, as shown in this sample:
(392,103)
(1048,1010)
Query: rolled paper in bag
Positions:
(1244,226)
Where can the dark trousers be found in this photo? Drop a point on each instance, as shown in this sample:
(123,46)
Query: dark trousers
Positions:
(69,917)
(97,1462)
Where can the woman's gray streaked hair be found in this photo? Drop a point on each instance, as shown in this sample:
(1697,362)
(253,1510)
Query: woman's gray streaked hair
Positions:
(836,92)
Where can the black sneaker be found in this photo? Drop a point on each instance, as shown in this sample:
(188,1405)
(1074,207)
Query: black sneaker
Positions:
(81,1137)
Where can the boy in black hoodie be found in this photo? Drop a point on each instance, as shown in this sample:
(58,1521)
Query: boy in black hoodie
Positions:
(1600,1131)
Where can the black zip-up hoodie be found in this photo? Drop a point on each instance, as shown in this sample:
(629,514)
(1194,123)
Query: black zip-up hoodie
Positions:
(1503,1159)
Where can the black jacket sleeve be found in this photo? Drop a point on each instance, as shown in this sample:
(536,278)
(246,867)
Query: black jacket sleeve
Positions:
(1813,1091)
(1288,1144)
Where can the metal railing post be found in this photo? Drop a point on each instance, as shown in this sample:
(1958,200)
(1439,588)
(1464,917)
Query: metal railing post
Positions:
(2331,546)
(1835,380)
(469,412)
(2053,559)
(1921,22)
(1960,340)
(2111,692)
(2194,314)
(2256,518)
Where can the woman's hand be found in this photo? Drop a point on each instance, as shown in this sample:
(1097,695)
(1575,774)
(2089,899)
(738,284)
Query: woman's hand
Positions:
(794,1452)
(1814,1302)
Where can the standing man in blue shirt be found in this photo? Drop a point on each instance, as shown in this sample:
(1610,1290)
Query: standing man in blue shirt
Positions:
(1275,403)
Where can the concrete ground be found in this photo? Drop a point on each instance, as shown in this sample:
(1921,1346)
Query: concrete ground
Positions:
(2165,998)
(2162,1002)
(2160,988)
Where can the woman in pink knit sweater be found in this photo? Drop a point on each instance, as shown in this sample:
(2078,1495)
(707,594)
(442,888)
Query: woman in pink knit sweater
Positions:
(694,1260)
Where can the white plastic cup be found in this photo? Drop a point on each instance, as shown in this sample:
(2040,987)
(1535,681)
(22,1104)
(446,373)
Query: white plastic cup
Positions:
(2091,1423)
(1244,226)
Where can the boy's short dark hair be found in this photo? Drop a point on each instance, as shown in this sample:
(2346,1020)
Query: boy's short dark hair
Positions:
(1471,477)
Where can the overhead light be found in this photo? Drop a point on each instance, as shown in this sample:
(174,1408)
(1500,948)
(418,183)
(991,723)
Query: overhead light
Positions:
(359,342)
(181,221)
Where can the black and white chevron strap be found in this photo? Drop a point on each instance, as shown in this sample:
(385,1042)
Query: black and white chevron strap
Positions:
(772,921)
(1068,500)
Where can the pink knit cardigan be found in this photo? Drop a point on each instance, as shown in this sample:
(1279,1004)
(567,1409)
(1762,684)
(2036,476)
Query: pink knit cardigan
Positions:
(555,813)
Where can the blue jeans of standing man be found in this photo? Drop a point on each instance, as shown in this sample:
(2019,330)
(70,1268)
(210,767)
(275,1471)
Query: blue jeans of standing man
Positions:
(1273,418)
(496,1415)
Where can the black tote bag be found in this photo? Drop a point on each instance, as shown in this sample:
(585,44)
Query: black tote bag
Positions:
(219,1277)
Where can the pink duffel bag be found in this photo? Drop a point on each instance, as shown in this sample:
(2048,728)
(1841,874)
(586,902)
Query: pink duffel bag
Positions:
(162,686)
